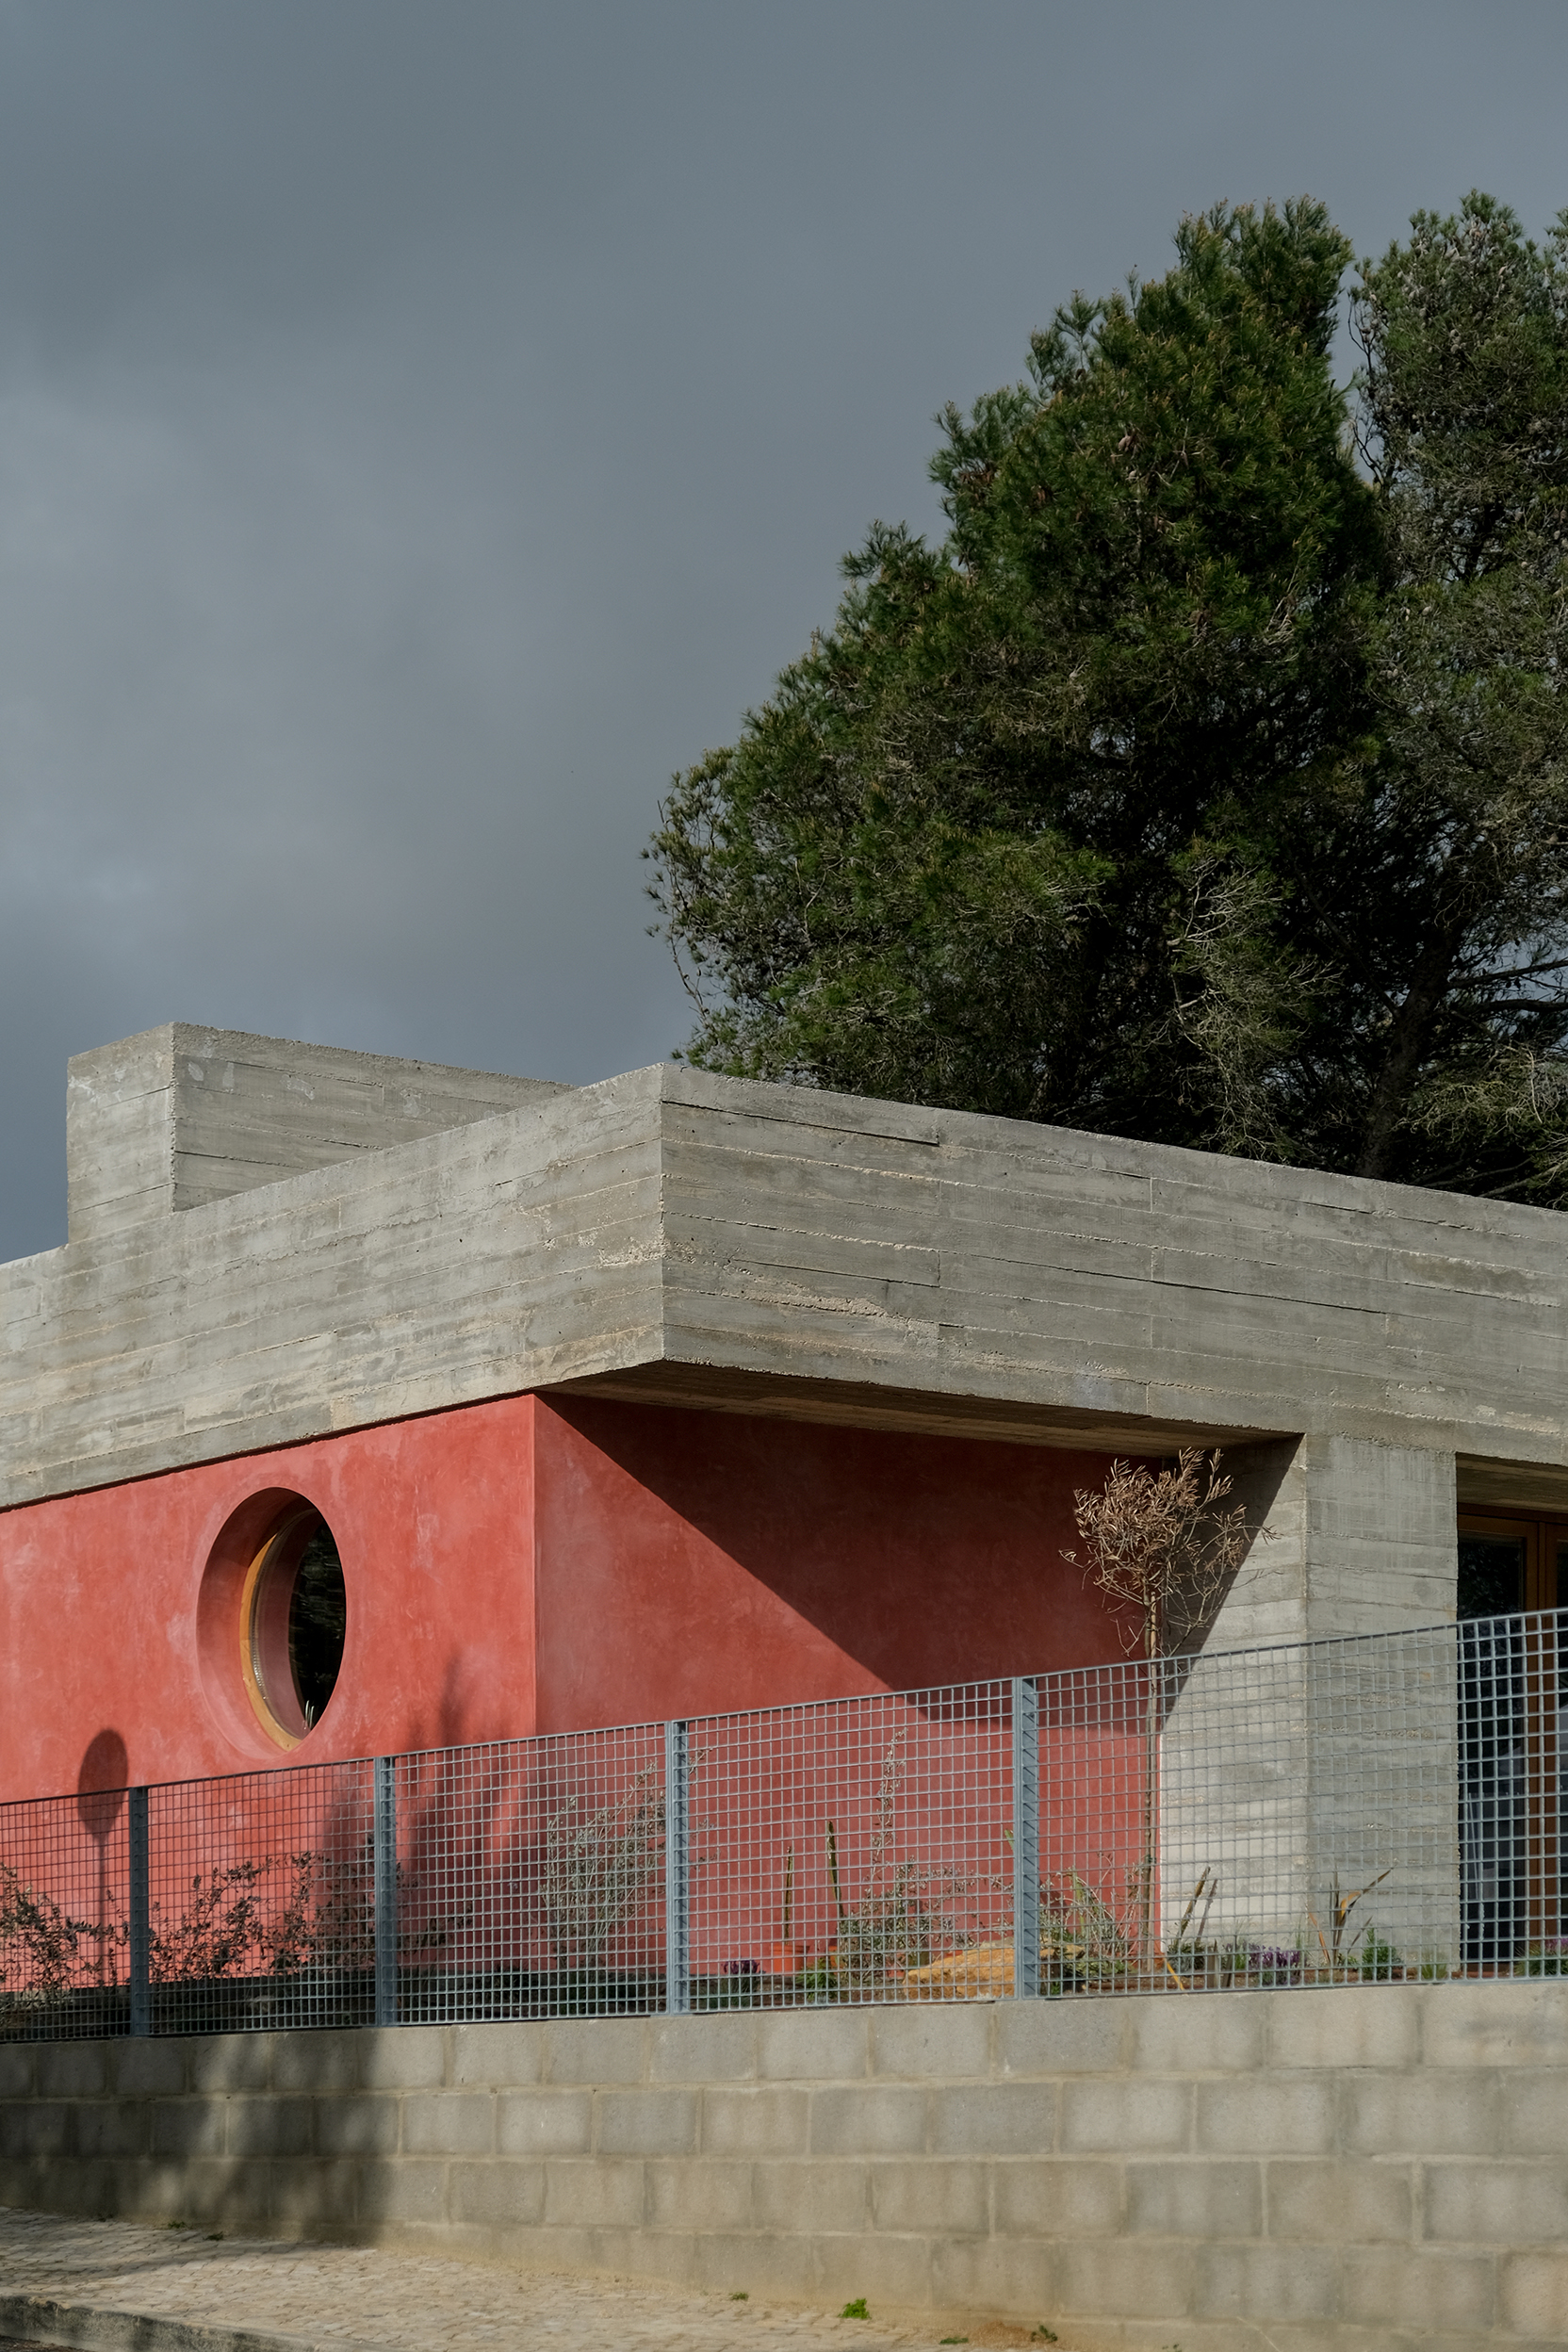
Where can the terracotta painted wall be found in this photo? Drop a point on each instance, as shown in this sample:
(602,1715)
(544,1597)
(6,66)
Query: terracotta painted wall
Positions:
(100,1618)
(693,1562)
(520,1565)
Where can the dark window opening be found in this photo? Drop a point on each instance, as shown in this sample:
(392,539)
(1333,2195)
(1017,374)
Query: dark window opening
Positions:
(318,1617)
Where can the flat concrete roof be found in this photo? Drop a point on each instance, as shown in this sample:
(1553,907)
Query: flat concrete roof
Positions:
(694,1240)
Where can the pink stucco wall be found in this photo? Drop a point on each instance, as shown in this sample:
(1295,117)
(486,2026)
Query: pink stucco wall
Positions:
(524,1565)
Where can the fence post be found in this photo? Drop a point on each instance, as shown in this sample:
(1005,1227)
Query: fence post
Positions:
(140,1911)
(677,1893)
(1026,1836)
(386,1845)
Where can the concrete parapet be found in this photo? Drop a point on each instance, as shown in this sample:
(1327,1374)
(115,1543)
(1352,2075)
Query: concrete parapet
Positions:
(1334,2169)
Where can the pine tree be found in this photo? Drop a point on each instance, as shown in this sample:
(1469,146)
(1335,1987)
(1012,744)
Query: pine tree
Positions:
(1204,782)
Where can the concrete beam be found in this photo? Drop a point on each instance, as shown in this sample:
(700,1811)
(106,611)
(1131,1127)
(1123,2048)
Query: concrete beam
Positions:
(672,1233)
(180,1115)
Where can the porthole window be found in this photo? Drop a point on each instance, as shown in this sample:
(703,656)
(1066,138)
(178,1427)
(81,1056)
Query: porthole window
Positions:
(293,1619)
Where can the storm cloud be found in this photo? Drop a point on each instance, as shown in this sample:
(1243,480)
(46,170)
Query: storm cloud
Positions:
(424,427)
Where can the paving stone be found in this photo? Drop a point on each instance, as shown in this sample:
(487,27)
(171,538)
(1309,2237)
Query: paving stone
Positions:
(400,2302)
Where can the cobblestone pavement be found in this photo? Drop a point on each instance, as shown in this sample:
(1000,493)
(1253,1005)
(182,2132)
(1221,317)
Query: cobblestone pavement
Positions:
(406,2302)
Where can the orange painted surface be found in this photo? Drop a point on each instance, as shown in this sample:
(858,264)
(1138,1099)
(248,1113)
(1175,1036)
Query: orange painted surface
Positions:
(693,1561)
(102,1632)
(523,1565)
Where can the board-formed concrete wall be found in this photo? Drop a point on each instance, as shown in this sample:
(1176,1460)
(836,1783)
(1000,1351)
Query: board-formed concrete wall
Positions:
(762,1248)
(181,1116)
(1370,2169)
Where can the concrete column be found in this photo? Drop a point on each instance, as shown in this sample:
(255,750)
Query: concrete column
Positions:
(1297,1765)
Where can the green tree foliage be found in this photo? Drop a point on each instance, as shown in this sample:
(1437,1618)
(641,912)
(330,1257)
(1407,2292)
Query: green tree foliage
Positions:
(1204,782)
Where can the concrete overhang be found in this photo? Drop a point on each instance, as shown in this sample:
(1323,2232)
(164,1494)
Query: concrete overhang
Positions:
(693,1240)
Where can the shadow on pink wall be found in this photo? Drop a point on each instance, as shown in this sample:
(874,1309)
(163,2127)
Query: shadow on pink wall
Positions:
(696,1561)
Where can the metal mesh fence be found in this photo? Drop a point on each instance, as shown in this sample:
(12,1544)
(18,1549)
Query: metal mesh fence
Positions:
(1371,1809)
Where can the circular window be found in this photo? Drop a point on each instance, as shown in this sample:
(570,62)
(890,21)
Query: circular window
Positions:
(293,1616)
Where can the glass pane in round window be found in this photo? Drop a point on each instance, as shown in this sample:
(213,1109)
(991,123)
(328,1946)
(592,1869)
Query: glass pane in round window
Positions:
(295,1618)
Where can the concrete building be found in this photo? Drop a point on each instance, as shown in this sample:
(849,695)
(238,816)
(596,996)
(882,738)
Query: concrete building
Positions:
(569,1406)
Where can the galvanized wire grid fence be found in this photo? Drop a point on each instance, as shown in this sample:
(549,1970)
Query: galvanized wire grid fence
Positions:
(1322,1813)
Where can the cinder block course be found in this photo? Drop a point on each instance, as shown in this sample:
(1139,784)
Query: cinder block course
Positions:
(186,2126)
(1343,2026)
(992,2274)
(645,2123)
(497,2197)
(449,2123)
(109,2128)
(1337,2202)
(1520,2203)
(814,2197)
(1126,2280)
(821,2045)
(1392,2115)
(154,2068)
(1527,2025)
(17,2071)
(215,2063)
(1534,2113)
(491,2054)
(760,2119)
(1268,2115)
(1186,2197)
(1269,2285)
(932,2197)
(761,2263)
(400,2057)
(39,2130)
(702,2049)
(1532,2295)
(71,2069)
(1046,2037)
(360,2123)
(411,2192)
(315,2197)
(1148,2117)
(928,2043)
(279,2127)
(1196,2035)
(699,2194)
(1055,2197)
(328,2061)
(886,2270)
(890,2122)
(984,2119)
(594,2050)
(593,2192)
(545,2123)
(1390,2286)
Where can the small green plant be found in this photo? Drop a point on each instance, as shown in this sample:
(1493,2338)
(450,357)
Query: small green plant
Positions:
(1547,1959)
(855,2310)
(739,2294)
(1378,1960)
(952,2339)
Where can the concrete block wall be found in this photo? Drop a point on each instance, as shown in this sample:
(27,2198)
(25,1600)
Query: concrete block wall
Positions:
(1328,2171)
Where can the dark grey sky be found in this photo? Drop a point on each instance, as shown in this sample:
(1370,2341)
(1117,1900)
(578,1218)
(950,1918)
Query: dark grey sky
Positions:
(424,427)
